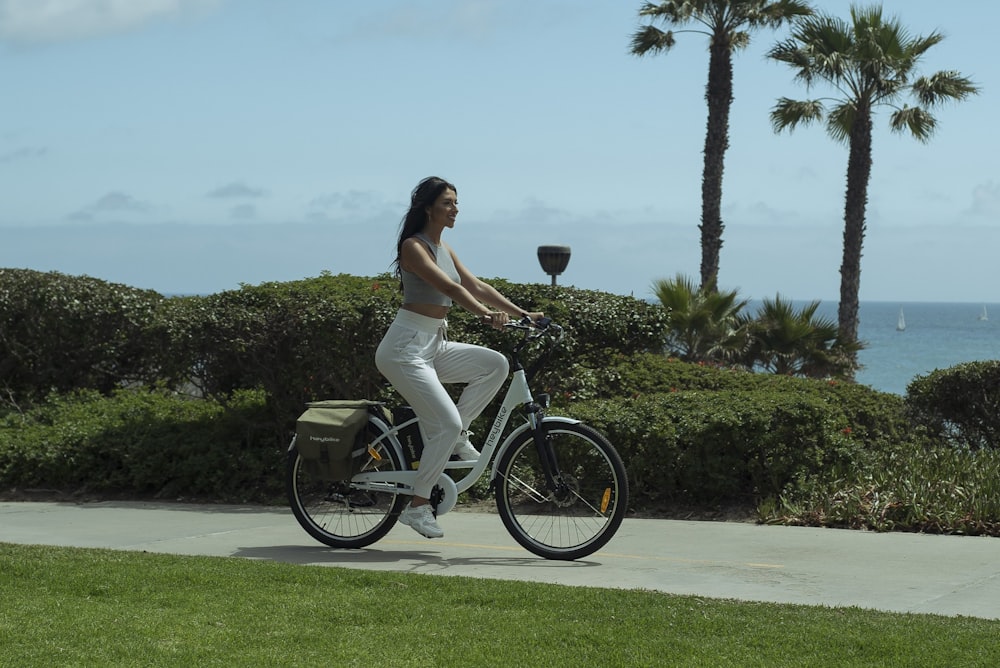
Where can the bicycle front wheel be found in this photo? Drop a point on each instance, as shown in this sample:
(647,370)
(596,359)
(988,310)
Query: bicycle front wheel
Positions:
(337,514)
(584,509)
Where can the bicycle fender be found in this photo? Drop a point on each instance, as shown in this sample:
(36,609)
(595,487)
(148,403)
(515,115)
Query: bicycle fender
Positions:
(387,434)
(549,419)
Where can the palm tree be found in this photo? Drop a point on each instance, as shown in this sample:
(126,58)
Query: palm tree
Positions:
(703,325)
(728,24)
(870,62)
(794,342)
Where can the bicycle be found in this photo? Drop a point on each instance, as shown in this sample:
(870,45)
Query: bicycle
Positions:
(560,486)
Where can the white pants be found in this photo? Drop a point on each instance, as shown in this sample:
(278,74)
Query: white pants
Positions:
(416,357)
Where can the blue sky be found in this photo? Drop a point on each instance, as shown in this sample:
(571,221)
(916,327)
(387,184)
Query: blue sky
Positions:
(189,146)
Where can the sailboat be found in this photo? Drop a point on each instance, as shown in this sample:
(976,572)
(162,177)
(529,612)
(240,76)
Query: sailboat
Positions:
(983,316)
(901,322)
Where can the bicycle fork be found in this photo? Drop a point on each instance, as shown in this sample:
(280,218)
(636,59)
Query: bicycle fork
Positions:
(518,394)
(543,444)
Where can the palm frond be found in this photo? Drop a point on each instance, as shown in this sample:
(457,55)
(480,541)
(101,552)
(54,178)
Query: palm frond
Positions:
(789,114)
(919,45)
(915,119)
(704,323)
(733,19)
(672,11)
(650,39)
(776,14)
(739,40)
(841,120)
(943,86)
(792,341)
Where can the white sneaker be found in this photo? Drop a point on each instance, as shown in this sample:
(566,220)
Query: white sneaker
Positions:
(421,519)
(464,450)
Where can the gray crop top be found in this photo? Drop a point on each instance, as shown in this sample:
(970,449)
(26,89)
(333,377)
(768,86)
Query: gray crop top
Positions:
(418,291)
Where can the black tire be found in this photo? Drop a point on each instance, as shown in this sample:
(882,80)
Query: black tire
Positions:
(577,520)
(335,513)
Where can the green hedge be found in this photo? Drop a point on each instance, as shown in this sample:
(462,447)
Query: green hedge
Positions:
(959,405)
(871,415)
(298,341)
(149,444)
(60,333)
(690,447)
(722,447)
(805,450)
(698,434)
(316,338)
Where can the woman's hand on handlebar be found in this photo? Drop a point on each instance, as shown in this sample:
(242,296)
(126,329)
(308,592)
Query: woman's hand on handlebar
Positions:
(496,319)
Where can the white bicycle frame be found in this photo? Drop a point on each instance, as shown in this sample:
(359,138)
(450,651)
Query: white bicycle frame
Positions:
(402,482)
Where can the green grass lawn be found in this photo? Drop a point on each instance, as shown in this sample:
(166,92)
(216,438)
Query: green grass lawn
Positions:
(82,607)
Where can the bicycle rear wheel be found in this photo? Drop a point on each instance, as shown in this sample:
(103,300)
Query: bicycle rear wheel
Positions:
(585,510)
(337,514)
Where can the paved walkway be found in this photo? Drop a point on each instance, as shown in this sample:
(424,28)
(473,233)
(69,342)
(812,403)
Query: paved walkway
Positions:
(946,575)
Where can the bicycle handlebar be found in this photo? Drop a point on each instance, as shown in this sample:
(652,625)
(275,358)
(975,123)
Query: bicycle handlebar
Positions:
(526,322)
(534,329)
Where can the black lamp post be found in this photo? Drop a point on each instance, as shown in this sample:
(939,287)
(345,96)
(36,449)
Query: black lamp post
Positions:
(553,260)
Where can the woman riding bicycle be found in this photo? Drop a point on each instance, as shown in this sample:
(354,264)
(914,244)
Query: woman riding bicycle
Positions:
(415,354)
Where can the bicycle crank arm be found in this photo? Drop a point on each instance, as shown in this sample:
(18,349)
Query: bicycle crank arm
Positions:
(402,482)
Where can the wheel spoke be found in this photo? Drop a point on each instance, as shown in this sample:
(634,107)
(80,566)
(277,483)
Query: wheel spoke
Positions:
(340,514)
(569,522)
(532,493)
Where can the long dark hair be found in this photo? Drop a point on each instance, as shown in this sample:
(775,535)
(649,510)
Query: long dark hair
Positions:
(423,196)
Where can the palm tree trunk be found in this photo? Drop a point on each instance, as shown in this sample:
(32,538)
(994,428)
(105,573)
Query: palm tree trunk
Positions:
(859,167)
(719,95)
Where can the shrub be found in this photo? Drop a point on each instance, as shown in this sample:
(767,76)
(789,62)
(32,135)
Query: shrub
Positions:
(870,414)
(143,443)
(599,327)
(298,341)
(724,446)
(59,333)
(689,433)
(960,405)
(695,433)
(316,338)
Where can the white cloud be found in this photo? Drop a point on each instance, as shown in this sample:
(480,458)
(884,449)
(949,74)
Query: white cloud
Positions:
(30,21)
(536,211)
(237,189)
(24,153)
(354,207)
(113,202)
(350,201)
(118,201)
(986,200)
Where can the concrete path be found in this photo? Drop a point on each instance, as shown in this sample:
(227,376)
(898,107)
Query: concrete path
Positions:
(946,575)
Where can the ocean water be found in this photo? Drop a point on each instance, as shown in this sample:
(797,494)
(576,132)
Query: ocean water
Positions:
(936,336)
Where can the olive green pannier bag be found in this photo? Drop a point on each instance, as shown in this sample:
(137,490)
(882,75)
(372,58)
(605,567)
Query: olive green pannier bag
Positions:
(331,437)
